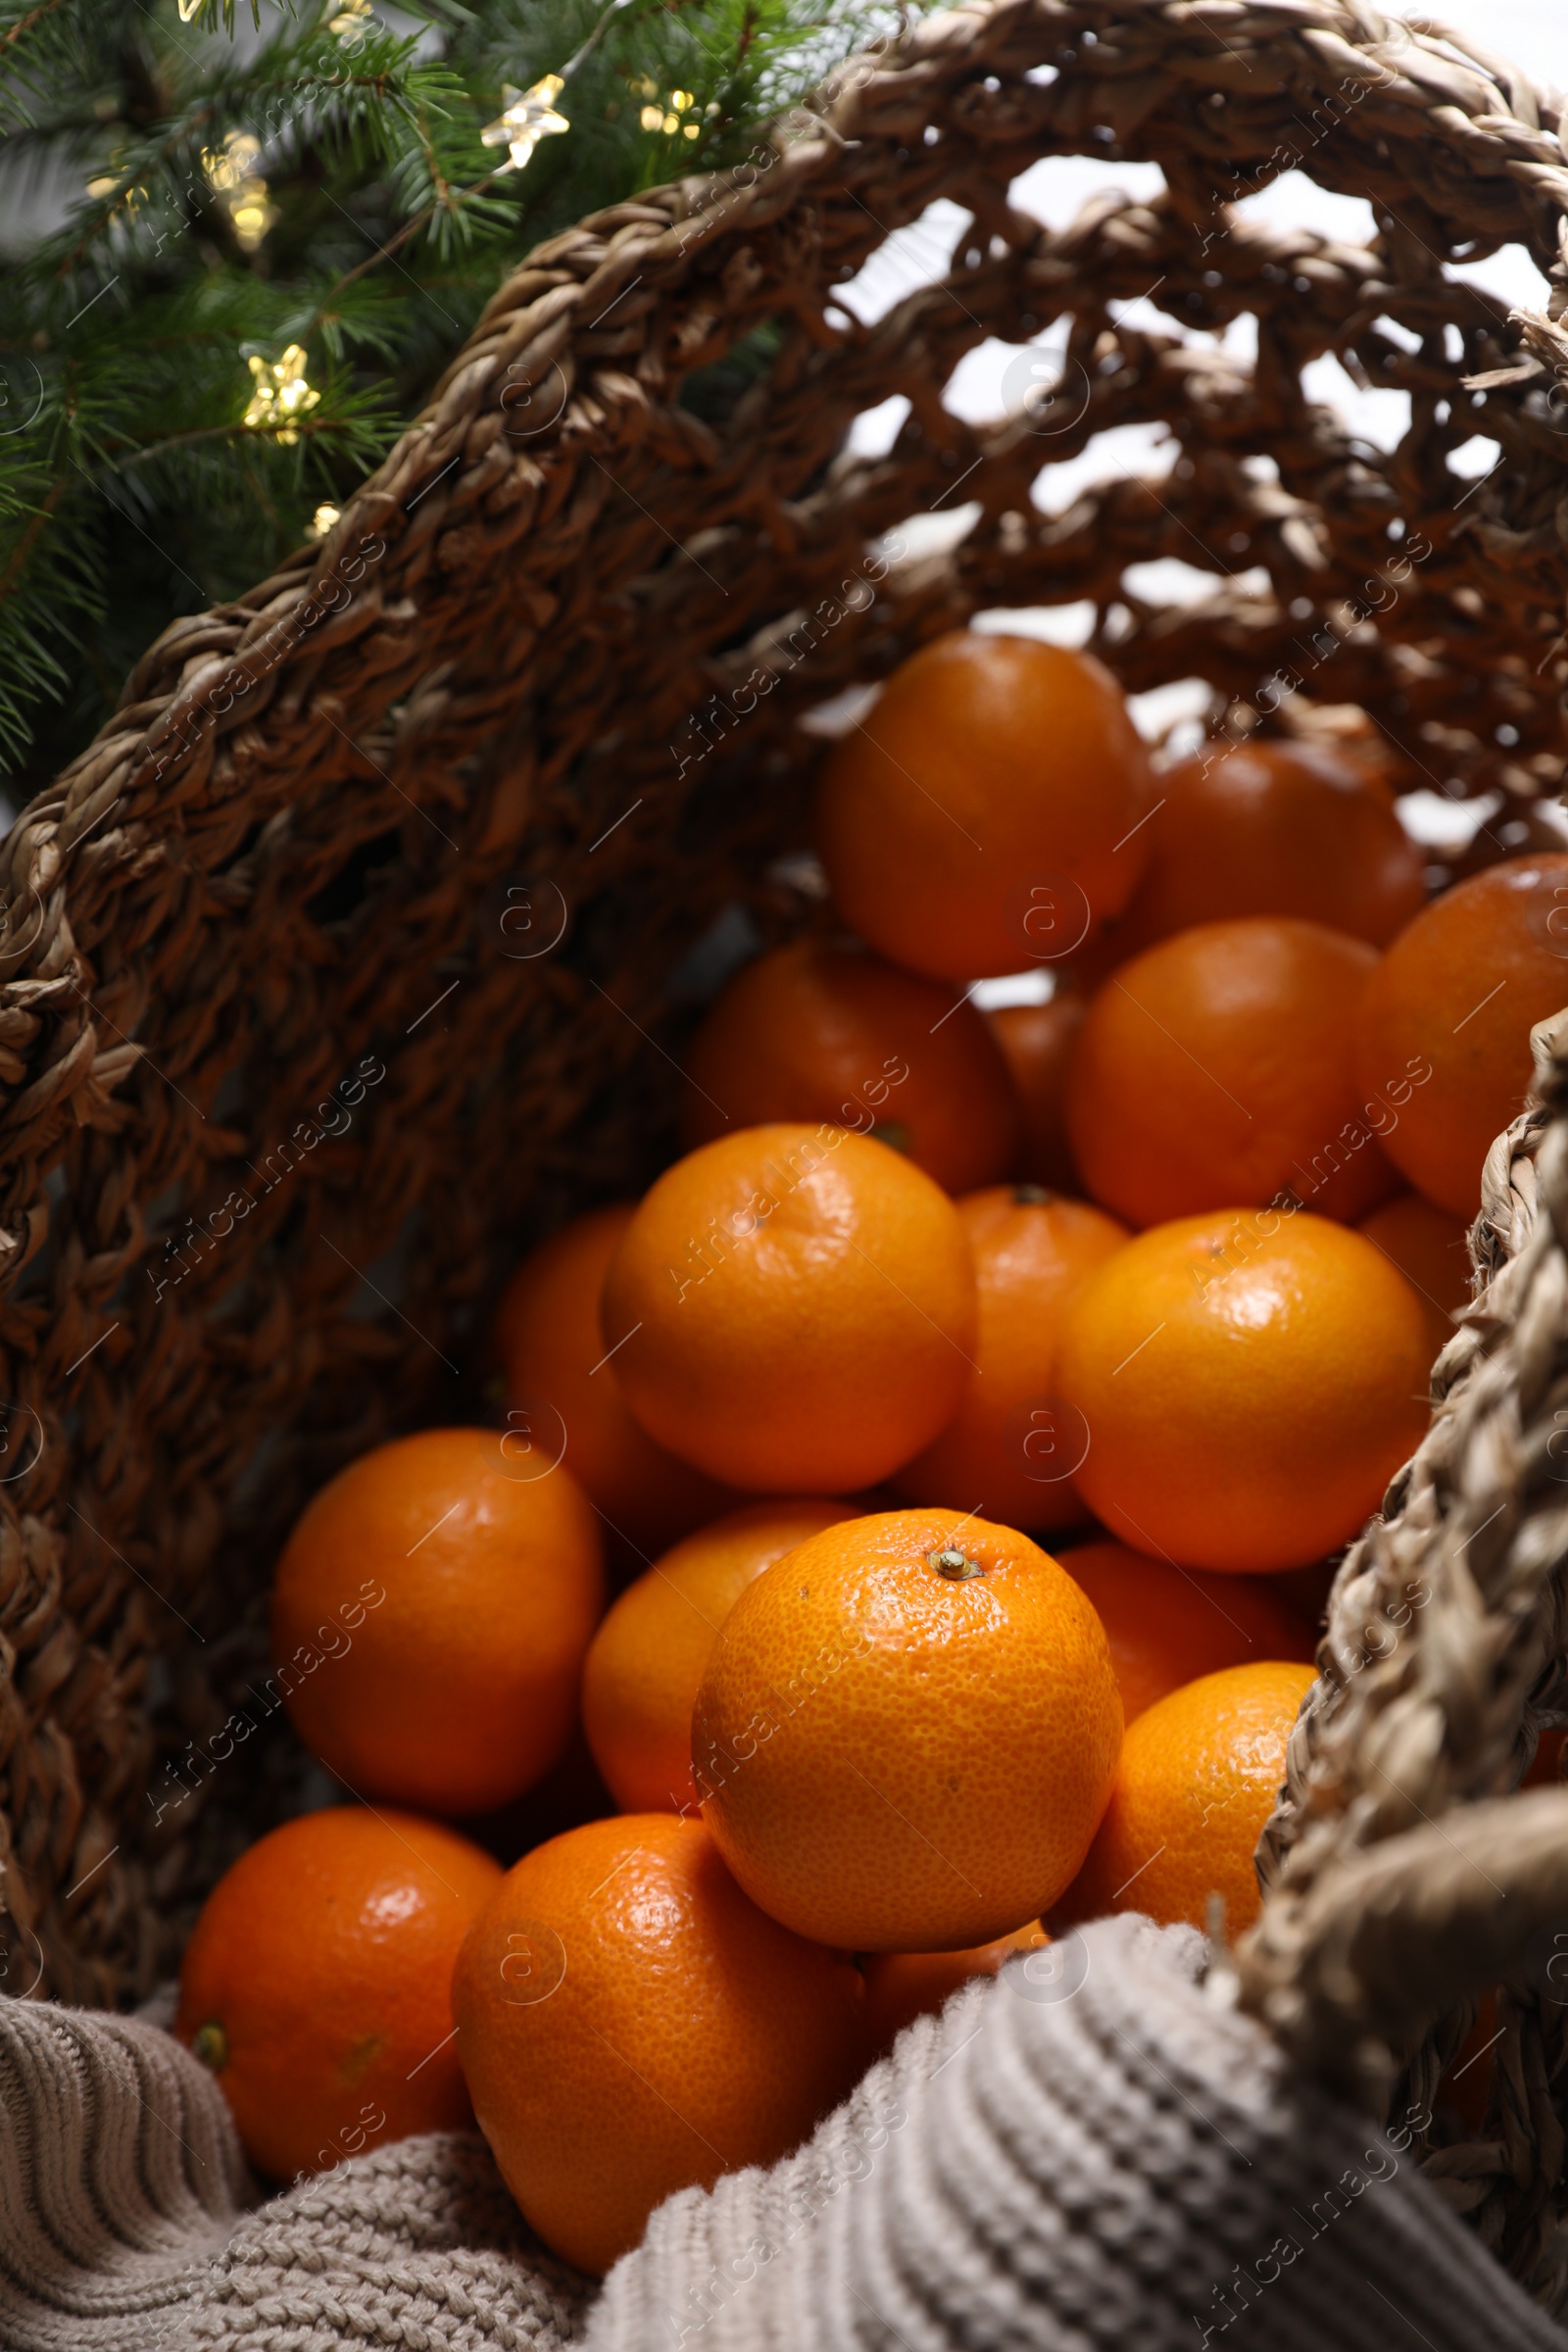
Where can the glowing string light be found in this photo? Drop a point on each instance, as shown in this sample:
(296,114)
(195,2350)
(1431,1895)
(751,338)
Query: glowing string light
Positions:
(529,116)
(240,188)
(280,392)
(526,117)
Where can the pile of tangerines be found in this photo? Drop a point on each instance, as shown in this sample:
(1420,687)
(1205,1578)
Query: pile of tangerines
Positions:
(1160,1262)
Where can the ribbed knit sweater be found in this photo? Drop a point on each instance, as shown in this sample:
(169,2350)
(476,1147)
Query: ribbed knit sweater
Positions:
(1091,2150)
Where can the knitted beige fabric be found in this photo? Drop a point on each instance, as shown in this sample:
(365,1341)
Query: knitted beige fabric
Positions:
(1090,2151)
(123,2229)
(418,2246)
(119,2180)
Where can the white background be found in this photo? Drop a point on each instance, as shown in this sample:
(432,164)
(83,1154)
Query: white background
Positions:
(1532,32)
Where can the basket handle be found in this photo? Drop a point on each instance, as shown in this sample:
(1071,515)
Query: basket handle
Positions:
(1390,1941)
(1441,1661)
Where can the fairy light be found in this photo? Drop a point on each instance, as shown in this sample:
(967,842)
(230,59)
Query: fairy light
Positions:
(280,391)
(322,522)
(666,117)
(352,23)
(189,8)
(526,117)
(110,183)
(240,188)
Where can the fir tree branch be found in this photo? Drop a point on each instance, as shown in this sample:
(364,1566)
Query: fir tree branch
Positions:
(319,188)
(15,562)
(284,430)
(20,29)
(394,245)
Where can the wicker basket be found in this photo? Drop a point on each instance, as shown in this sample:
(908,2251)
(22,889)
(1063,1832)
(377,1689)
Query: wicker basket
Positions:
(354,951)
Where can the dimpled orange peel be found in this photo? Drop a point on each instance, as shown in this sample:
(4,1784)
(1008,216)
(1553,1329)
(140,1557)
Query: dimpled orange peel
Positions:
(906,1733)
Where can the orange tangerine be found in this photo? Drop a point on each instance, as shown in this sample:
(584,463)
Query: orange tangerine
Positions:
(551,1350)
(793,1309)
(900,1986)
(1009,1449)
(431,1615)
(1430,1245)
(1038,1041)
(1219,1066)
(823,1029)
(1198,1775)
(1248,1385)
(1448,1015)
(646,1662)
(630,2024)
(985,815)
(1167,1624)
(318,1984)
(1275,827)
(906,1733)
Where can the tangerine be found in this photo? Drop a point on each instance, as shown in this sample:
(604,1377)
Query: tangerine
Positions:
(1445,1030)
(1250,1384)
(631,2025)
(431,1615)
(793,1309)
(823,1029)
(1219,1066)
(318,1984)
(1167,1624)
(900,1986)
(1275,827)
(1008,1452)
(646,1662)
(906,1733)
(985,813)
(1197,1780)
(551,1350)
(1432,1250)
(1036,1043)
